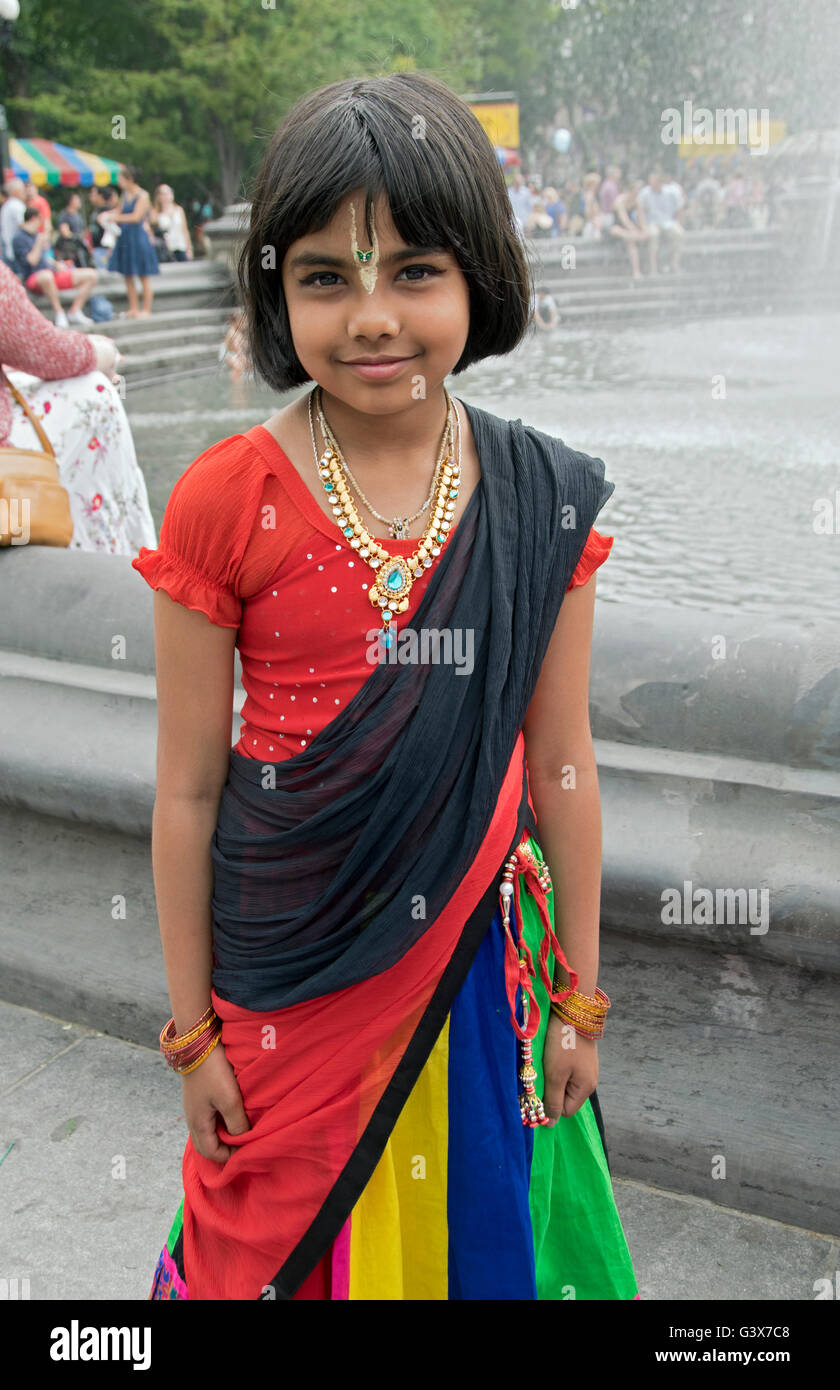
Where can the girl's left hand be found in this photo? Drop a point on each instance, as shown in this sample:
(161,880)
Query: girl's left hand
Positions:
(571,1072)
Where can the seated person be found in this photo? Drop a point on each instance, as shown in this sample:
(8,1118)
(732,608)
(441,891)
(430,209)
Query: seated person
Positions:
(544,309)
(38,272)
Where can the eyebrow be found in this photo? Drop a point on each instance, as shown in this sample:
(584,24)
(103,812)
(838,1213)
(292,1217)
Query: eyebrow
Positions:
(308,258)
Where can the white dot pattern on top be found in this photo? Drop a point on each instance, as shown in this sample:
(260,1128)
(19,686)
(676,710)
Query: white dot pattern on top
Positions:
(292,660)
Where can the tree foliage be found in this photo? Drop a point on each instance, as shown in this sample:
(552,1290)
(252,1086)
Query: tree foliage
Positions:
(201,84)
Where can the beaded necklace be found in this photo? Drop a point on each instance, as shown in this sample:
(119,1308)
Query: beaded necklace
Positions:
(393,574)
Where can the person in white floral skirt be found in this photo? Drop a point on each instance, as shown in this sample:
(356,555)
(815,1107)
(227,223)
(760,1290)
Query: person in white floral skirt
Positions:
(68,381)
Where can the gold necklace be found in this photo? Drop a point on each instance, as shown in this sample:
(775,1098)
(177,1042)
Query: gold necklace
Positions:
(398,525)
(393,574)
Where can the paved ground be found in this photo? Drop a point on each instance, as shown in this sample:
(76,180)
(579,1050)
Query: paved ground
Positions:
(91,1137)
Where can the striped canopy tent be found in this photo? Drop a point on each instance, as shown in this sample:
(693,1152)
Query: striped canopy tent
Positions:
(49,164)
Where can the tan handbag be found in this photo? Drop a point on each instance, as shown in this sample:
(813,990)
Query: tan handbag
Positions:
(33,501)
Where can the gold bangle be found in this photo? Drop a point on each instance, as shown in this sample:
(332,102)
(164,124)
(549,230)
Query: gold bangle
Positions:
(574,1008)
(581,1029)
(197,1063)
(586,1025)
(173,1042)
(596,1003)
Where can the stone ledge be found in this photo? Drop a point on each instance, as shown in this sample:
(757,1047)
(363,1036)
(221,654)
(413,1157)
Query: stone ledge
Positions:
(723,774)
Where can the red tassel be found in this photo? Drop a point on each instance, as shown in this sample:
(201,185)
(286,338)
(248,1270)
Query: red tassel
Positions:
(519,968)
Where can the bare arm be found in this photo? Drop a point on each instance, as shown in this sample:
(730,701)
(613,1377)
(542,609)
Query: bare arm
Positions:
(187,237)
(564,789)
(38,248)
(194,663)
(138,213)
(31,343)
(564,782)
(620,210)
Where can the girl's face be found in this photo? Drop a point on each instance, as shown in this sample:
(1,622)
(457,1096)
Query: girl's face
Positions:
(396,302)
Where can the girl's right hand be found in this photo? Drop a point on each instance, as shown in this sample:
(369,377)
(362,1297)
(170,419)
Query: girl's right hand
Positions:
(209,1091)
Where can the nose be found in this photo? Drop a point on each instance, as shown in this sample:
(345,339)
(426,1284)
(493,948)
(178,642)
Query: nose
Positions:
(372,315)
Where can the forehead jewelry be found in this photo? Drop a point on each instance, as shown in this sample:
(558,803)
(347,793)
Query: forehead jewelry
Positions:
(394,575)
(368,261)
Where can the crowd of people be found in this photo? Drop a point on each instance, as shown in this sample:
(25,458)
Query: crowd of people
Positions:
(649,215)
(130,234)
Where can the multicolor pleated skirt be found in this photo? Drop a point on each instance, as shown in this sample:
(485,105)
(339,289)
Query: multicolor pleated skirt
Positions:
(466,1202)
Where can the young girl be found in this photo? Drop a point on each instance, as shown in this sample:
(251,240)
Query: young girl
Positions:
(354,901)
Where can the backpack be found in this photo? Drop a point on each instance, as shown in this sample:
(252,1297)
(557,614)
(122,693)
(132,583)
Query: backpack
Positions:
(100,308)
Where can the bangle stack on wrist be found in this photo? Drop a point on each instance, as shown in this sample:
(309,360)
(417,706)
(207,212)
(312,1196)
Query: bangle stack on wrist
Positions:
(586,1013)
(185,1051)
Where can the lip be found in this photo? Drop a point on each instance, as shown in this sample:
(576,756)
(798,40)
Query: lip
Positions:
(379,370)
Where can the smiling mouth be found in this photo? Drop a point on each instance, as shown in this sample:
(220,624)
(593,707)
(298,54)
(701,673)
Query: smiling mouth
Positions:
(374,361)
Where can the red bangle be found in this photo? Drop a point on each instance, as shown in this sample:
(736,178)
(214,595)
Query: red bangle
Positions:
(187,1063)
(184,1050)
(170,1041)
(181,1059)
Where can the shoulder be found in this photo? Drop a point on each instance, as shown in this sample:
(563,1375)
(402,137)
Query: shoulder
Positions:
(206,528)
(211,507)
(576,473)
(554,474)
(221,487)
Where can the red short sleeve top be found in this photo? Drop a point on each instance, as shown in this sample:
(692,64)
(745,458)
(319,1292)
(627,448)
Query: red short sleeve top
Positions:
(244,541)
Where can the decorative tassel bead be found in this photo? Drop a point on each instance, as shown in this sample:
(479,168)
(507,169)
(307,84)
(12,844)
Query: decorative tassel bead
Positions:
(531,1107)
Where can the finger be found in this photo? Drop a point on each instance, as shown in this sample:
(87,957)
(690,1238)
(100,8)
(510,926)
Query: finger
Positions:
(553,1099)
(208,1143)
(575,1096)
(234,1117)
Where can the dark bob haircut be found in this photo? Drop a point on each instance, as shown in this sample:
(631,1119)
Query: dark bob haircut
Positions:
(406,136)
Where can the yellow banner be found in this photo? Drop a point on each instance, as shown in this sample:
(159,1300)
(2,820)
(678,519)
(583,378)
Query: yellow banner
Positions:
(762,135)
(501,122)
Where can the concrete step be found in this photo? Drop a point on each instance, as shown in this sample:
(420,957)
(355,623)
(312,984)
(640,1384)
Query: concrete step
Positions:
(163,321)
(604,288)
(613,262)
(196,284)
(671,813)
(645,308)
(159,361)
(719,1075)
(188,338)
(210,330)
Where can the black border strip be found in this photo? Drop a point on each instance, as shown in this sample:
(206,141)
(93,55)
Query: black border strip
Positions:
(358,1169)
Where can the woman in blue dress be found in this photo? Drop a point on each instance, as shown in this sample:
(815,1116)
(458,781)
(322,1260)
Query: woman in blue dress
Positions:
(134,253)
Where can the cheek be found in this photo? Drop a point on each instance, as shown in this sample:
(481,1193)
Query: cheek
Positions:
(445,314)
(310,327)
